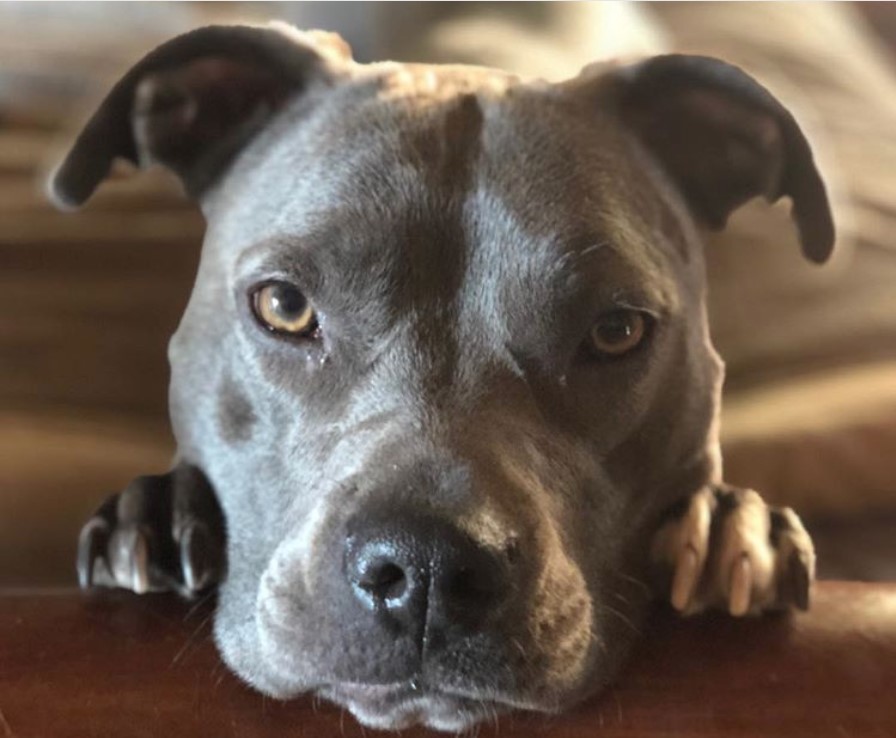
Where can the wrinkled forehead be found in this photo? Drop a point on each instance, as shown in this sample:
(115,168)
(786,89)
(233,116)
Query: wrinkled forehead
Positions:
(413,164)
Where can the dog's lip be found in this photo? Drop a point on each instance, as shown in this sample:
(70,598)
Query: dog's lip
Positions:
(411,687)
(400,705)
(396,693)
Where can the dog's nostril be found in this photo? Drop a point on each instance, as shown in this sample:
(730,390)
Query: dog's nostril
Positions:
(386,581)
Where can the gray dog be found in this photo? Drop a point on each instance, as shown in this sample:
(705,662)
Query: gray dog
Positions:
(444,395)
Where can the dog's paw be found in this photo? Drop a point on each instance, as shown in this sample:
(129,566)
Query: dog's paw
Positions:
(162,533)
(725,548)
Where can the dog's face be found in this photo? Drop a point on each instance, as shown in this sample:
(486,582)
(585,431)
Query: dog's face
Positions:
(475,263)
(447,356)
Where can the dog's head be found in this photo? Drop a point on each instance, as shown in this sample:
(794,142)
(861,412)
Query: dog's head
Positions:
(447,356)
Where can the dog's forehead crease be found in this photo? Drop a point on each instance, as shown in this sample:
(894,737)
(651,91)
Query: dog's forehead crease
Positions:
(448,185)
(364,142)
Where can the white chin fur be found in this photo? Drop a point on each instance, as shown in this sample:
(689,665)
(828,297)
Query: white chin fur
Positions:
(415,715)
(435,712)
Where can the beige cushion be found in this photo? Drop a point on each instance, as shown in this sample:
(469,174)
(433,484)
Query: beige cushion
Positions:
(823,444)
(54,472)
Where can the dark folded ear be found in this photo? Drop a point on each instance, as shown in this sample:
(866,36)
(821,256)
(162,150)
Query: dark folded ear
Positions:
(191,104)
(724,139)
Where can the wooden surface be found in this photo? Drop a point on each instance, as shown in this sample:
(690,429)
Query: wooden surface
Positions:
(118,665)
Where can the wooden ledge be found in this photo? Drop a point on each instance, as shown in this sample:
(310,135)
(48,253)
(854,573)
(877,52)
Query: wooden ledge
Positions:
(119,665)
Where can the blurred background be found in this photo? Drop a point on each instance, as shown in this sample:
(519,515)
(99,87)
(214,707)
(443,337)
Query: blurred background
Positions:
(88,300)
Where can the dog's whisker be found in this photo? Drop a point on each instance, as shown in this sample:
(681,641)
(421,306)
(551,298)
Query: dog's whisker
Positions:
(495,719)
(198,604)
(599,641)
(517,644)
(592,248)
(624,618)
(618,706)
(640,583)
(342,724)
(192,640)
(220,679)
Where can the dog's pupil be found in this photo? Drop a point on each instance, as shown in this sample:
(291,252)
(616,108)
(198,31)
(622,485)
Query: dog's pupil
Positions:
(616,329)
(288,302)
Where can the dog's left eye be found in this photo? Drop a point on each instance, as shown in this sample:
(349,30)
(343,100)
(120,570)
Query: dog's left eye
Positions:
(282,308)
(618,332)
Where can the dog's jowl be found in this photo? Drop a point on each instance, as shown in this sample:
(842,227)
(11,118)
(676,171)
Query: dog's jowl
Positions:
(444,395)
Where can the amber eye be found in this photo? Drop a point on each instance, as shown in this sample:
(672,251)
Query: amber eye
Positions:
(618,332)
(282,308)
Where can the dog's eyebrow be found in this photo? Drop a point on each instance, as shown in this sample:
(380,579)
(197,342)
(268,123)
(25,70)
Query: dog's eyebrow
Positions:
(284,258)
(599,244)
(653,307)
(626,281)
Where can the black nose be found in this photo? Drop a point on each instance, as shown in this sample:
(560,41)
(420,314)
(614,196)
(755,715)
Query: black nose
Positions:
(423,572)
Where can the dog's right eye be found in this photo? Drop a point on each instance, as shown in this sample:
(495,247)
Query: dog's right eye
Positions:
(617,333)
(282,308)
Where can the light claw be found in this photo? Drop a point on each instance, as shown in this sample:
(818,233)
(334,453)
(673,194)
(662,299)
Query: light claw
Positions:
(741,586)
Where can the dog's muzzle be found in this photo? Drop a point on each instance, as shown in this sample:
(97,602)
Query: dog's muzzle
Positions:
(396,597)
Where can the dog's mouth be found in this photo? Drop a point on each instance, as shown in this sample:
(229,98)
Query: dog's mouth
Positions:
(413,702)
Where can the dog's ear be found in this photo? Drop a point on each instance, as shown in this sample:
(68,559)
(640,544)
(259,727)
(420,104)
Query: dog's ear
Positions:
(723,138)
(193,102)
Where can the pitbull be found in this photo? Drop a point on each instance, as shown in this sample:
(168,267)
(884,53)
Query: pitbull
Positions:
(444,396)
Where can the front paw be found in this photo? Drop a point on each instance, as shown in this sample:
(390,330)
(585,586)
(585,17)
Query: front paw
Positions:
(725,548)
(162,533)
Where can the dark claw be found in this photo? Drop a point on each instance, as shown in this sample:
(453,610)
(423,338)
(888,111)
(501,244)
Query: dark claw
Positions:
(198,557)
(129,559)
(91,546)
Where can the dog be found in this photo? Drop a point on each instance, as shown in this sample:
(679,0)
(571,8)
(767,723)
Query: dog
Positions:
(444,395)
